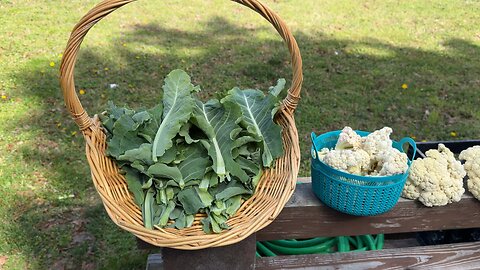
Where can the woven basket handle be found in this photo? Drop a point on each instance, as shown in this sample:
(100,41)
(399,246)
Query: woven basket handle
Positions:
(107,6)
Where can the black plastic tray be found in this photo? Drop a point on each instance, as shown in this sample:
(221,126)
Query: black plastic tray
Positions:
(455,146)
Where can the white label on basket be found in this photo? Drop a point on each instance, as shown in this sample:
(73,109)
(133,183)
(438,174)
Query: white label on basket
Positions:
(314,155)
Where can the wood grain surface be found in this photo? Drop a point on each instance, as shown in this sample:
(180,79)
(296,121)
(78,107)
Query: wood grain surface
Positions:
(305,216)
(452,256)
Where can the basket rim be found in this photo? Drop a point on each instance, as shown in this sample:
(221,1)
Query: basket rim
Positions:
(400,180)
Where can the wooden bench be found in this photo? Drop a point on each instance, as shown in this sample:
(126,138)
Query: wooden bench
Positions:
(305,216)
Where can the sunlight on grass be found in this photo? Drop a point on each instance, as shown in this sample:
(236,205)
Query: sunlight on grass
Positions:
(365,49)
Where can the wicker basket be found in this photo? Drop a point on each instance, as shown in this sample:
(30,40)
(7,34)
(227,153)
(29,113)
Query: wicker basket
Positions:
(274,189)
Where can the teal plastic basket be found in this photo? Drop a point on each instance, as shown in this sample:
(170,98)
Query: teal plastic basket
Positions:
(354,194)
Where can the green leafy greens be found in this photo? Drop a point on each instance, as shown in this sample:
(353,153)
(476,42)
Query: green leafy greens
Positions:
(184,157)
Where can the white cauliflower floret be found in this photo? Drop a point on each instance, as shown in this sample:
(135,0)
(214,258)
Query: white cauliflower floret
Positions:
(321,154)
(434,198)
(348,139)
(377,141)
(436,180)
(390,162)
(425,176)
(411,190)
(472,166)
(455,167)
(354,162)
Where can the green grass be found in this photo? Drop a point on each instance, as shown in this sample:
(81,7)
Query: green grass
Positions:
(356,54)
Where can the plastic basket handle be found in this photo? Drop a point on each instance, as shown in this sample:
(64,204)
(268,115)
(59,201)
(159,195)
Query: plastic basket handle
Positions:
(315,152)
(412,143)
(67,66)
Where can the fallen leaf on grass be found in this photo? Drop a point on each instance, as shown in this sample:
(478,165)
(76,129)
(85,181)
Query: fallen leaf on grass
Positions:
(3,260)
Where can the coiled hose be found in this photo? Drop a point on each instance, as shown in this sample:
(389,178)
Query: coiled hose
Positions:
(319,245)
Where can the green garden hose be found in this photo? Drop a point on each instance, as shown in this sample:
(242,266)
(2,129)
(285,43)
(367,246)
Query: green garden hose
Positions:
(301,243)
(320,245)
(370,242)
(359,241)
(263,250)
(320,248)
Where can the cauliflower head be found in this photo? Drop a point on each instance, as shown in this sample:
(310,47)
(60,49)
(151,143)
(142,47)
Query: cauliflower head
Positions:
(472,166)
(351,161)
(390,162)
(436,180)
(348,139)
(377,141)
(322,153)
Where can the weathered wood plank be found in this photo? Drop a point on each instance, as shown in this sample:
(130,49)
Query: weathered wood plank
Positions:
(305,216)
(453,256)
(155,262)
(240,256)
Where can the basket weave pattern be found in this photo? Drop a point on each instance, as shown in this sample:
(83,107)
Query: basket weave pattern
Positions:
(274,189)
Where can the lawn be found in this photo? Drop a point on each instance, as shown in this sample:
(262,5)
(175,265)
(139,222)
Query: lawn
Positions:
(410,65)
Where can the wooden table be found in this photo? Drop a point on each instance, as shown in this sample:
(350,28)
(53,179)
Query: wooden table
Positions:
(305,216)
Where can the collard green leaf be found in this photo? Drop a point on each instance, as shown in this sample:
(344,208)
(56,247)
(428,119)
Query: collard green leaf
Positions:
(209,180)
(275,90)
(185,132)
(138,166)
(112,114)
(241,141)
(218,207)
(134,183)
(142,154)
(206,224)
(147,210)
(220,219)
(190,201)
(180,221)
(204,196)
(163,171)
(249,166)
(192,183)
(161,196)
(166,213)
(175,213)
(256,179)
(124,136)
(215,226)
(195,163)
(232,189)
(170,192)
(147,184)
(177,108)
(204,183)
(141,117)
(233,204)
(257,117)
(158,209)
(189,220)
(240,151)
(149,129)
(218,122)
(169,156)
